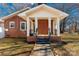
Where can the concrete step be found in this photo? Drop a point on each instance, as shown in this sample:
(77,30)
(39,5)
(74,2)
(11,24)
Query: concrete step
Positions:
(42,41)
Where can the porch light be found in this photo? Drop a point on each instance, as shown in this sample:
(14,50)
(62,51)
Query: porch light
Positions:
(6,29)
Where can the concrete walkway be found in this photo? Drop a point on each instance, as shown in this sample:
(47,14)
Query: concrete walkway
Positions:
(42,50)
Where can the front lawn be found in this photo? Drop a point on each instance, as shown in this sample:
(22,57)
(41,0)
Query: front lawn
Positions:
(15,46)
(67,36)
(19,47)
(70,48)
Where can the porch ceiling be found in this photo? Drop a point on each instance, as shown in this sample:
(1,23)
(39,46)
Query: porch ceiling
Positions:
(52,18)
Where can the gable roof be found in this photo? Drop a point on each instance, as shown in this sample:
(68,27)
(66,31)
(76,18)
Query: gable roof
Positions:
(60,13)
(15,13)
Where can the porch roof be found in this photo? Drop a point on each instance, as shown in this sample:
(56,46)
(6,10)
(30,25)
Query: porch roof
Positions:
(56,12)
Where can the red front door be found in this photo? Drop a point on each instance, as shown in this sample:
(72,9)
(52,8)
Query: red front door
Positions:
(42,26)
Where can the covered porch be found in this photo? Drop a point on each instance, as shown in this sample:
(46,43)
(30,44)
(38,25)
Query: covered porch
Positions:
(43,26)
(42,21)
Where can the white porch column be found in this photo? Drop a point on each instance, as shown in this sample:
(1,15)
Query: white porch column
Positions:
(58,27)
(36,23)
(49,23)
(28,26)
(31,26)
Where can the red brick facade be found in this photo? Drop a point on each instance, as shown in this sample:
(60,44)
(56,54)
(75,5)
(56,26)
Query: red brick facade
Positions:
(14,32)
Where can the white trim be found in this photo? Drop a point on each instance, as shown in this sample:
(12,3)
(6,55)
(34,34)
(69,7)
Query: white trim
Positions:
(42,34)
(28,26)
(54,27)
(36,23)
(59,13)
(49,24)
(14,13)
(24,25)
(58,27)
(32,9)
(11,22)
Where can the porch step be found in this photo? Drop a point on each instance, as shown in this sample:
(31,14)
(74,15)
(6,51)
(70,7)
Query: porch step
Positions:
(42,41)
(42,50)
(42,36)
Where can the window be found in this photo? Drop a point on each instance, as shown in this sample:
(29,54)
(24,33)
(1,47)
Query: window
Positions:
(11,24)
(23,26)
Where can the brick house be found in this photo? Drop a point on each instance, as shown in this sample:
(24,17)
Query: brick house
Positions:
(40,20)
(13,25)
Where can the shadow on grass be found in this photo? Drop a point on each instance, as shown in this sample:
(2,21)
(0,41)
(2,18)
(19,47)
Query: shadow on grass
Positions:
(61,50)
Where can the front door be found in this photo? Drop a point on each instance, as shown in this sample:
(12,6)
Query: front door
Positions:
(42,27)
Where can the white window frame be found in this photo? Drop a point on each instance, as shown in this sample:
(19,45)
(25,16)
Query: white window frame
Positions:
(24,25)
(11,22)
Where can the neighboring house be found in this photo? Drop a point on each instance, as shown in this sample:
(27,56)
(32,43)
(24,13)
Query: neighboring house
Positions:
(2,32)
(41,20)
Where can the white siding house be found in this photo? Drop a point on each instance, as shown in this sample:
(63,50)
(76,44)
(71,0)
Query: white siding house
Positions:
(2,31)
